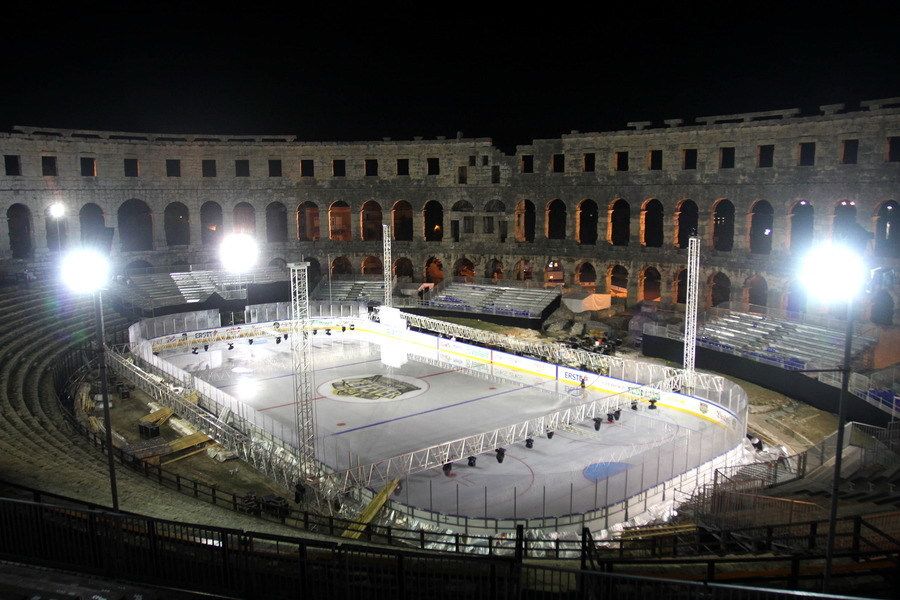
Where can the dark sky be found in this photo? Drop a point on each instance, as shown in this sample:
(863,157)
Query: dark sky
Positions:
(433,69)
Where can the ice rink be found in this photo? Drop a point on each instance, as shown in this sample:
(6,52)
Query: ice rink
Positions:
(364,418)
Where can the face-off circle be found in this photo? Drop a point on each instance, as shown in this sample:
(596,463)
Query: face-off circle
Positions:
(372,388)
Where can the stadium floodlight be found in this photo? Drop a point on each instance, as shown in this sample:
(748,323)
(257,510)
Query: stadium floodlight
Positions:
(832,273)
(57,210)
(238,252)
(835,274)
(84,271)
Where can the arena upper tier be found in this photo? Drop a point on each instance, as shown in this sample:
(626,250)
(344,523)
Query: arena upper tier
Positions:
(611,209)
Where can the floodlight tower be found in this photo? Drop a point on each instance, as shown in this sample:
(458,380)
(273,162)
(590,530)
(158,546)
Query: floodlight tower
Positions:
(690,311)
(386,261)
(301,355)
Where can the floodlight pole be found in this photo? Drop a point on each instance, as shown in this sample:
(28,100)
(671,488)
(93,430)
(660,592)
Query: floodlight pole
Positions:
(100,331)
(301,354)
(836,478)
(690,312)
(387,269)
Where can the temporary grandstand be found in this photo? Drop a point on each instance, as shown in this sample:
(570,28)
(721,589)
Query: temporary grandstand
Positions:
(492,299)
(344,288)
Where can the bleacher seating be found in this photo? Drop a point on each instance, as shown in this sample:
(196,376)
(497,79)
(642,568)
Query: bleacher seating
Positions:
(349,290)
(771,339)
(493,299)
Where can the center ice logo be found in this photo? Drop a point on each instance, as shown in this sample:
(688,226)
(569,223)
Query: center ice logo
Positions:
(375,387)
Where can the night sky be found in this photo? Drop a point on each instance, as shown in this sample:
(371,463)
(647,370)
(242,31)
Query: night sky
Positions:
(433,69)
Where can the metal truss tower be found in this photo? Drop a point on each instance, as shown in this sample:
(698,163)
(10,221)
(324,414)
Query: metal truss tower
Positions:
(387,266)
(690,312)
(301,354)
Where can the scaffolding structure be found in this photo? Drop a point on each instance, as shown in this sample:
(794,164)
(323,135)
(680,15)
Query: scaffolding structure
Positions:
(690,313)
(302,363)
(387,268)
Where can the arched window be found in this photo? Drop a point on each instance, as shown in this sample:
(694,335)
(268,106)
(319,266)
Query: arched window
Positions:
(586,222)
(18,219)
(313,271)
(882,309)
(135,226)
(308,225)
(371,265)
(801,226)
(176,222)
(276,223)
(433,213)
(244,218)
(586,275)
(796,298)
(524,221)
(762,219)
(280,263)
(339,221)
(719,289)
(370,221)
(619,225)
(494,270)
(757,291)
(434,270)
(686,222)
(845,227)
(341,266)
(887,235)
(93,226)
(556,220)
(681,287)
(403,267)
(652,223)
(524,270)
(650,284)
(464,268)
(210,223)
(617,281)
(137,266)
(402,216)
(723,226)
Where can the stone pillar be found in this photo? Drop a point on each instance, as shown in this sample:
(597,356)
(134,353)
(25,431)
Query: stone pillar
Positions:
(159,229)
(540,221)
(418,219)
(355,229)
(666,285)
(742,218)
(227,219)
(39,232)
(571,219)
(260,223)
(781,224)
(634,226)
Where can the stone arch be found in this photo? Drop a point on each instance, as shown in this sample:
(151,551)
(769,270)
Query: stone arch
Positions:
(652,223)
(887,230)
(276,223)
(525,221)
(433,214)
(402,221)
(137,266)
(371,265)
(617,281)
(586,275)
(844,224)
(308,224)
(681,286)
(719,289)
(370,220)
(762,222)
(244,218)
(687,221)
(556,220)
(723,225)
(21,242)
(464,268)
(135,226)
(313,271)
(651,284)
(555,273)
(339,221)
(619,223)
(881,310)
(92,224)
(494,206)
(177,224)
(795,298)
(280,263)
(756,291)
(210,223)
(434,270)
(403,267)
(586,219)
(56,230)
(341,266)
(494,270)
(524,270)
(462,206)
(802,226)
